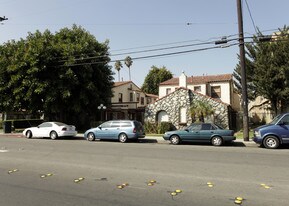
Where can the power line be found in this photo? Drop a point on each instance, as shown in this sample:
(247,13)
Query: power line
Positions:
(208,41)
(152,56)
(145,51)
(250,13)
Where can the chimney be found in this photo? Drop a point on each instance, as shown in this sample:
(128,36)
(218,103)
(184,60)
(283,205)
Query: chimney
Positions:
(183,80)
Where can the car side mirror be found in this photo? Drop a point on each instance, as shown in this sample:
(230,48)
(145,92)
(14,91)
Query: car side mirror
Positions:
(99,127)
(187,130)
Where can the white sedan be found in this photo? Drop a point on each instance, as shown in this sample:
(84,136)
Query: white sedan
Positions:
(50,129)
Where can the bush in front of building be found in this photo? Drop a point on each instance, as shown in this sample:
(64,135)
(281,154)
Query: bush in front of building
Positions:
(158,128)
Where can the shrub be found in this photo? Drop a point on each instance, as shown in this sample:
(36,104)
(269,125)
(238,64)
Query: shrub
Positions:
(150,128)
(158,128)
(165,126)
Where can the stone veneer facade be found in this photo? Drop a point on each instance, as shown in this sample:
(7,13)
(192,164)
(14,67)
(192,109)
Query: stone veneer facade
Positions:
(183,97)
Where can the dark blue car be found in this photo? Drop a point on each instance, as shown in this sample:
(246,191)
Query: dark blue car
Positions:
(273,134)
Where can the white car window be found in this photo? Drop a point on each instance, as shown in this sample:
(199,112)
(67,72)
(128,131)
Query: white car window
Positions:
(126,124)
(105,125)
(45,124)
(60,124)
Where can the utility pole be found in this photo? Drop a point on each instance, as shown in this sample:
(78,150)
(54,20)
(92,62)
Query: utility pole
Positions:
(243,73)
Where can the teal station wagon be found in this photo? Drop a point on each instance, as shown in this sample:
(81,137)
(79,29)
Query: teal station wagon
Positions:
(201,132)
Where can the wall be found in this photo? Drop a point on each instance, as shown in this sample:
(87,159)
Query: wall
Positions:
(163,90)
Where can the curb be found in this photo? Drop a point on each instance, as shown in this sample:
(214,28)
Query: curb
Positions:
(156,139)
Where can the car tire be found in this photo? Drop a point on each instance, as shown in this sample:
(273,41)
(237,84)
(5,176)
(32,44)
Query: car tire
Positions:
(90,137)
(271,142)
(28,134)
(53,135)
(122,137)
(217,141)
(175,139)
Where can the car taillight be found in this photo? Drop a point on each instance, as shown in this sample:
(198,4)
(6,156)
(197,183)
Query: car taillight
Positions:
(134,130)
(64,129)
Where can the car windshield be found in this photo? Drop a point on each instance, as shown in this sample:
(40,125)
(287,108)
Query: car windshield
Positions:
(276,119)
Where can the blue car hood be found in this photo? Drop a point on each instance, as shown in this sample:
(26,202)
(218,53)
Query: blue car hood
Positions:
(264,126)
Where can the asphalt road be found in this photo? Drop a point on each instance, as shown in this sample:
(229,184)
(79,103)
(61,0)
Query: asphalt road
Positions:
(44,172)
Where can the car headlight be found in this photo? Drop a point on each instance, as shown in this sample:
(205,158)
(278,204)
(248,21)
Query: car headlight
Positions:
(257,133)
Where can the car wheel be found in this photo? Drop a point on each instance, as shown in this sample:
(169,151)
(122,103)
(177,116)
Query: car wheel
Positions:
(217,141)
(90,136)
(271,142)
(175,139)
(53,135)
(28,134)
(122,137)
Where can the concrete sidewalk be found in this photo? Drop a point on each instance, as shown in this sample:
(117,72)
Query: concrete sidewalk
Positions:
(152,139)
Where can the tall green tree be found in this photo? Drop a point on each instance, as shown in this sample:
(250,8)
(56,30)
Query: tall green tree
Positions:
(154,78)
(267,65)
(128,62)
(56,74)
(118,66)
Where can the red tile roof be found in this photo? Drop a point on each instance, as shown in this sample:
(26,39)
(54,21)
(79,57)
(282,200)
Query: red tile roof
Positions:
(193,80)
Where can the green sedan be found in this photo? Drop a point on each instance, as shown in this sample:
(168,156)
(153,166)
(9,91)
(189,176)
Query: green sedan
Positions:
(201,132)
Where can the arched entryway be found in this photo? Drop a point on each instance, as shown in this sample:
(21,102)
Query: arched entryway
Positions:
(162,116)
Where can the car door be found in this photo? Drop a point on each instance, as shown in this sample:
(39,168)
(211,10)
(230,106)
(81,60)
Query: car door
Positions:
(114,130)
(283,129)
(102,131)
(193,133)
(206,132)
(43,130)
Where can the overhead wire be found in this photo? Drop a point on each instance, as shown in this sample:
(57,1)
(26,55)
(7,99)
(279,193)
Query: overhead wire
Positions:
(208,41)
(165,54)
(153,56)
(250,14)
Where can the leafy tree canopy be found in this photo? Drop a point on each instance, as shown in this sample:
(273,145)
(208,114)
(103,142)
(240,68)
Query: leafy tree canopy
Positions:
(267,66)
(55,74)
(154,78)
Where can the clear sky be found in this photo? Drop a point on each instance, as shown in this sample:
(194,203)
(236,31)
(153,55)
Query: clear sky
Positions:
(135,26)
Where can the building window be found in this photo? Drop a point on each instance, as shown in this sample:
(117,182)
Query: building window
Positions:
(142,100)
(137,97)
(163,116)
(131,97)
(149,100)
(197,88)
(119,97)
(183,115)
(216,92)
(168,91)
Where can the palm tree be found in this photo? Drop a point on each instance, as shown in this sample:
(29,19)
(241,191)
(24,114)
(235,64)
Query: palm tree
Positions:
(200,110)
(118,66)
(128,62)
